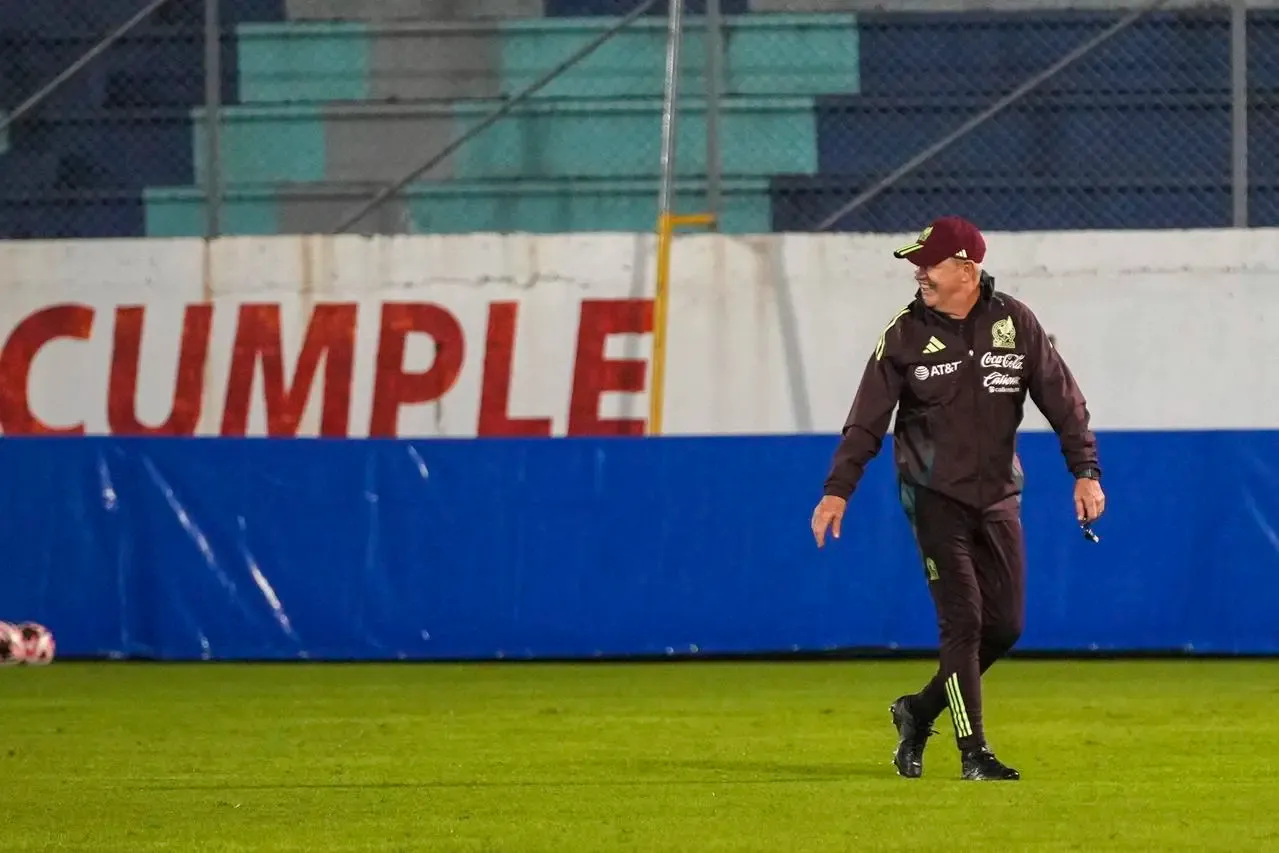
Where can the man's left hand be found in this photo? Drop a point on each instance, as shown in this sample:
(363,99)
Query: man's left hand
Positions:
(1090,500)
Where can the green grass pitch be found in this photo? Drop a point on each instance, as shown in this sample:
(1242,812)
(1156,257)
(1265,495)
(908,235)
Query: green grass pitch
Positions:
(1127,756)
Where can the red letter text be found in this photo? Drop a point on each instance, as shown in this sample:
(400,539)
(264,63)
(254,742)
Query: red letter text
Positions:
(495,390)
(122,390)
(393,387)
(330,334)
(26,341)
(594,375)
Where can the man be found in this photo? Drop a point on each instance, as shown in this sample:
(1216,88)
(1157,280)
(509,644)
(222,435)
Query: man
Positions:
(957,364)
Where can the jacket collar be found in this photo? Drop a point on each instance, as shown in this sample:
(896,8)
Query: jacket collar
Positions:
(985,299)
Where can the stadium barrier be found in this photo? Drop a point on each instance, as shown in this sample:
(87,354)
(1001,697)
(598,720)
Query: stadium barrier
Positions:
(432,447)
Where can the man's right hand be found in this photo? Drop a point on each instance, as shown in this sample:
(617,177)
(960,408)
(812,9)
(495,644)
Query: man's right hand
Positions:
(828,513)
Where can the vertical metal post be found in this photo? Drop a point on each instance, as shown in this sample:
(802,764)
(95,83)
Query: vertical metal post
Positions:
(714,90)
(212,119)
(1239,110)
(674,37)
(665,224)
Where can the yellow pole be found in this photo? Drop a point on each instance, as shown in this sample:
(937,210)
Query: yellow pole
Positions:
(666,223)
(661,300)
(693,219)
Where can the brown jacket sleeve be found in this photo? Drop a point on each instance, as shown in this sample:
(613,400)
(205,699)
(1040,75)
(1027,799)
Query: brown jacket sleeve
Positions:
(1055,392)
(870,415)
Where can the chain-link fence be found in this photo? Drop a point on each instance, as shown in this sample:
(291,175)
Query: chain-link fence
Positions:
(793,115)
(575,147)
(1036,118)
(96,102)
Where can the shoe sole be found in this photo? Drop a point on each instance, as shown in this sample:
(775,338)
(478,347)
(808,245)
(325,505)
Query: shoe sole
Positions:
(992,778)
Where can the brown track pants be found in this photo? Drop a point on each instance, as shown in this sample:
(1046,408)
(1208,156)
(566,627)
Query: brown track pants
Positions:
(975,564)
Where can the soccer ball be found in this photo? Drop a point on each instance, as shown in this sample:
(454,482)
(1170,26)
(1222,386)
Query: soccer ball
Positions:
(37,644)
(11,648)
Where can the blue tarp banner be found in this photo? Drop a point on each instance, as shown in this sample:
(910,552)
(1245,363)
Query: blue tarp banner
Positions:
(443,549)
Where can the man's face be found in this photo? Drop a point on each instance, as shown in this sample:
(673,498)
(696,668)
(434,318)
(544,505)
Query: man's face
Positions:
(943,282)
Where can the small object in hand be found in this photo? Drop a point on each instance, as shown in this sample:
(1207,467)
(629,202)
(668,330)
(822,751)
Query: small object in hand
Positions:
(1088,532)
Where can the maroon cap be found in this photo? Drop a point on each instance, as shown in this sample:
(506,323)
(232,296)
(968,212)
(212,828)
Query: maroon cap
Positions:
(948,237)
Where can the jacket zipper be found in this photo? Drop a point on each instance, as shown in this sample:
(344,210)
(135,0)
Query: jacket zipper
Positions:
(977,419)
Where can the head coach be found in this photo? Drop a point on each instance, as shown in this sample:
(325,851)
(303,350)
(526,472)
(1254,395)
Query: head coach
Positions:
(957,364)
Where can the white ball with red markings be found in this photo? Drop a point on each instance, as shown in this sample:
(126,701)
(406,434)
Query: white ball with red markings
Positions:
(12,651)
(38,647)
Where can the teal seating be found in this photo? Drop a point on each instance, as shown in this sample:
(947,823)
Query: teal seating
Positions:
(547,207)
(180,212)
(582,155)
(567,206)
(601,138)
(314,62)
(765,55)
(573,140)
(265,143)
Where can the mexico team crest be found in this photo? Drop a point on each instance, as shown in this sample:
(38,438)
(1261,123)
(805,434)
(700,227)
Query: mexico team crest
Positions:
(1003,334)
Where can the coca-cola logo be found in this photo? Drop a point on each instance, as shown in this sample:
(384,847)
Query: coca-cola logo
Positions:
(1006,361)
(1001,383)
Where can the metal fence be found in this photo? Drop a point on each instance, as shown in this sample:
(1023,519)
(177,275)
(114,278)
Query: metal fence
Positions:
(1123,118)
(438,116)
(93,101)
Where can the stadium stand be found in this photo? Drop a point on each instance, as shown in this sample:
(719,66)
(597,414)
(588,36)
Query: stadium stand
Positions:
(326,100)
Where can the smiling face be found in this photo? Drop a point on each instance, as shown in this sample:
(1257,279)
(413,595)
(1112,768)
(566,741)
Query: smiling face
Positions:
(949,286)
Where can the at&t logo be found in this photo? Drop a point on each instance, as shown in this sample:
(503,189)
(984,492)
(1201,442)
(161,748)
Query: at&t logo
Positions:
(923,371)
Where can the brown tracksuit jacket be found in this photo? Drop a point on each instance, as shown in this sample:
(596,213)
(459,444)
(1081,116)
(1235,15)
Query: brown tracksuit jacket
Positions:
(959,388)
